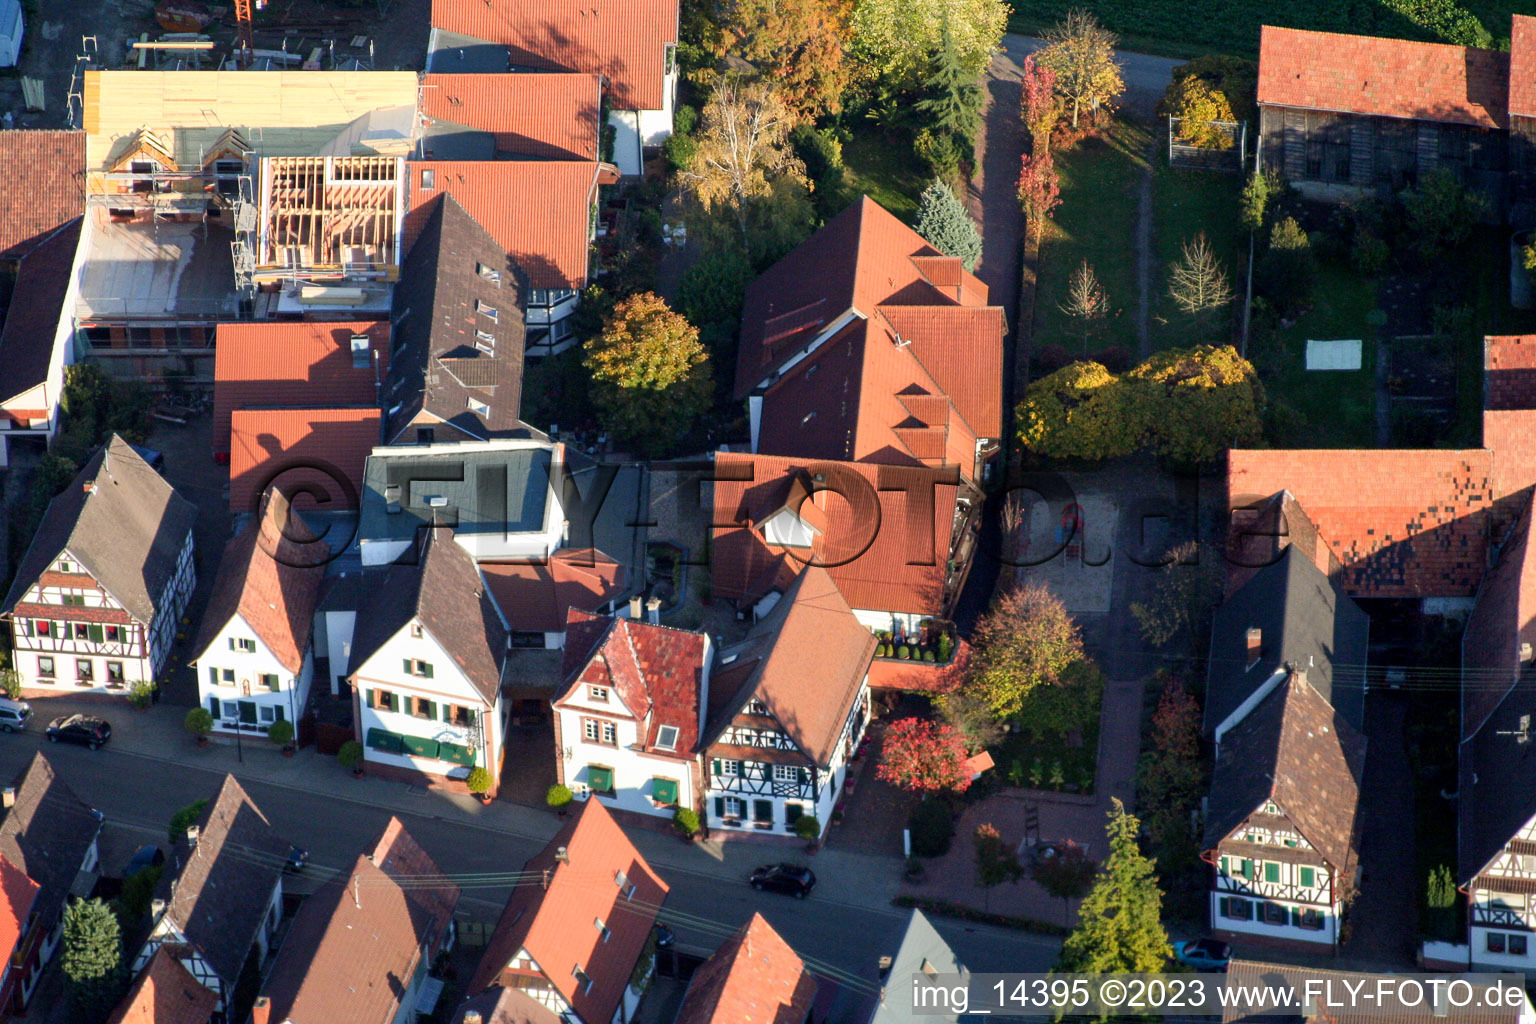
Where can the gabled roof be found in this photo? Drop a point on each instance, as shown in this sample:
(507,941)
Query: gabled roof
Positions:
(217,892)
(961,347)
(1502,620)
(806,661)
(657,671)
(1303,621)
(121,521)
(920,946)
(18,895)
(1522,66)
(1497,780)
(625,41)
(1403,523)
(753,976)
(165,992)
(47,833)
(553,921)
(44,171)
(32,321)
(539,211)
(318,447)
(452,357)
(534,596)
(1383,77)
(267,363)
(1295,750)
(271,583)
(549,116)
(400,856)
(863,258)
(877,577)
(505,1006)
(443,590)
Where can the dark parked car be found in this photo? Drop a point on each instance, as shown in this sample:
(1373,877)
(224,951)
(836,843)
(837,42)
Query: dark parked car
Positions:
(155,459)
(1203,954)
(146,857)
(790,879)
(82,729)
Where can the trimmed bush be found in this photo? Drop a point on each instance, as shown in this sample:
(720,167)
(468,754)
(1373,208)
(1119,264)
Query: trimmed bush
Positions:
(558,797)
(280,732)
(807,827)
(350,755)
(479,780)
(928,656)
(686,821)
(933,825)
(199,722)
(904,652)
(142,694)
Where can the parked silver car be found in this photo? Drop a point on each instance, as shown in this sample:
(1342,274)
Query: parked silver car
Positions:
(14,714)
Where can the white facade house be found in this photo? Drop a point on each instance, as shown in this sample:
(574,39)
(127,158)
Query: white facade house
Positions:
(1277,897)
(1503,916)
(242,683)
(98,597)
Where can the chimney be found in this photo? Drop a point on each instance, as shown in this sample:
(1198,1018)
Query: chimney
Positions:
(1299,674)
(653,611)
(8,796)
(193,832)
(634,607)
(562,855)
(472,1017)
(1255,645)
(565,530)
(260,1010)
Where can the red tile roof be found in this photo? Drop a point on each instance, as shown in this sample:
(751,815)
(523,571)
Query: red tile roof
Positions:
(863,258)
(552,116)
(537,210)
(273,363)
(1402,523)
(1522,66)
(554,922)
(961,347)
(276,596)
(867,541)
(165,992)
(400,856)
(753,978)
(657,671)
(44,172)
(1509,370)
(298,447)
(1383,77)
(623,40)
(533,596)
(18,893)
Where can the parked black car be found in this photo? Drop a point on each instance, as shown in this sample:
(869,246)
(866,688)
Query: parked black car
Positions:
(790,879)
(82,729)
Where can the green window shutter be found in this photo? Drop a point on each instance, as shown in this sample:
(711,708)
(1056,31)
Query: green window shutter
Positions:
(97,633)
(427,669)
(1271,871)
(1222,865)
(1245,868)
(232,643)
(471,717)
(447,713)
(1221,906)
(431,708)
(1308,877)
(405,665)
(803,776)
(279,709)
(213,707)
(213,676)
(714,769)
(719,806)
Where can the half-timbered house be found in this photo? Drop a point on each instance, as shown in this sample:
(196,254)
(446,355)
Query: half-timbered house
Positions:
(98,595)
(791,702)
(630,712)
(572,939)
(428,657)
(220,898)
(1281,823)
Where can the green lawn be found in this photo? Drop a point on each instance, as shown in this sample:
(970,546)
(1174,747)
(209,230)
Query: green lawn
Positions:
(890,174)
(1096,221)
(1187,203)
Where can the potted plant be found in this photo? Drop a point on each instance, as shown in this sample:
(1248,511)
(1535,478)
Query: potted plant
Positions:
(809,829)
(559,799)
(350,756)
(199,723)
(281,733)
(479,783)
(686,821)
(142,694)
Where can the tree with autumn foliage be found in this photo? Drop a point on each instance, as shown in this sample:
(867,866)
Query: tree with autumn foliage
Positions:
(1082,53)
(1027,641)
(996,861)
(801,46)
(1039,188)
(1067,874)
(1171,777)
(894,40)
(1039,106)
(923,757)
(650,374)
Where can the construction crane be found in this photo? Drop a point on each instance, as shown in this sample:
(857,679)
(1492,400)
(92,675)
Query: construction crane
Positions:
(245,42)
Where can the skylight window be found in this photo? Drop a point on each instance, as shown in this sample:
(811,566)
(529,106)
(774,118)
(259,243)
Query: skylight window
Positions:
(666,738)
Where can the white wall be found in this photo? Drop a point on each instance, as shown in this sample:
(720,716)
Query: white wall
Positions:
(626,141)
(132,651)
(633,769)
(876,620)
(339,626)
(248,668)
(656,125)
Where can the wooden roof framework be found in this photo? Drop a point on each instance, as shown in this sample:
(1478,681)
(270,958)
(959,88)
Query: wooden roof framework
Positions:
(331,212)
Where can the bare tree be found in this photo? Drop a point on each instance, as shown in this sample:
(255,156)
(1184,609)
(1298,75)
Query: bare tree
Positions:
(743,144)
(1198,283)
(1087,302)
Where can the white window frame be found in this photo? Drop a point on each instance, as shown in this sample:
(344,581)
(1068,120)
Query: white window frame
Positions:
(662,743)
(730,768)
(786,773)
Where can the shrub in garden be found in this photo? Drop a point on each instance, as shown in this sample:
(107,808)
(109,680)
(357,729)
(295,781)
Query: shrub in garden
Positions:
(1286,272)
(1369,254)
(807,827)
(198,722)
(1197,104)
(686,821)
(479,780)
(1440,213)
(928,656)
(932,824)
(943,220)
(350,755)
(280,732)
(141,694)
(903,652)
(1115,359)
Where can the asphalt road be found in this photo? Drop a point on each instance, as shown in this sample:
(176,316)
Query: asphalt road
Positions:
(138,795)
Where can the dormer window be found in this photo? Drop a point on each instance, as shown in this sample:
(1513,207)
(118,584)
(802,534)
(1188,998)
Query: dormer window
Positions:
(786,529)
(666,738)
(490,274)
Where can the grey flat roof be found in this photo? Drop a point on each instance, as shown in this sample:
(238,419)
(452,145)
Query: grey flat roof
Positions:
(455,53)
(497,491)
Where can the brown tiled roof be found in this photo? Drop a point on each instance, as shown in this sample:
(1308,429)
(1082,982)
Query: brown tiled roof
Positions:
(862,259)
(1522,66)
(218,899)
(165,993)
(400,856)
(872,572)
(350,952)
(44,172)
(961,347)
(534,596)
(550,116)
(443,589)
(1295,750)
(127,530)
(1503,619)
(276,596)
(288,363)
(32,321)
(625,41)
(1383,77)
(808,658)
(46,834)
(505,1006)
(450,352)
(754,976)
(1402,523)
(537,210)
(554,920)
(296,447)
(657,671)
